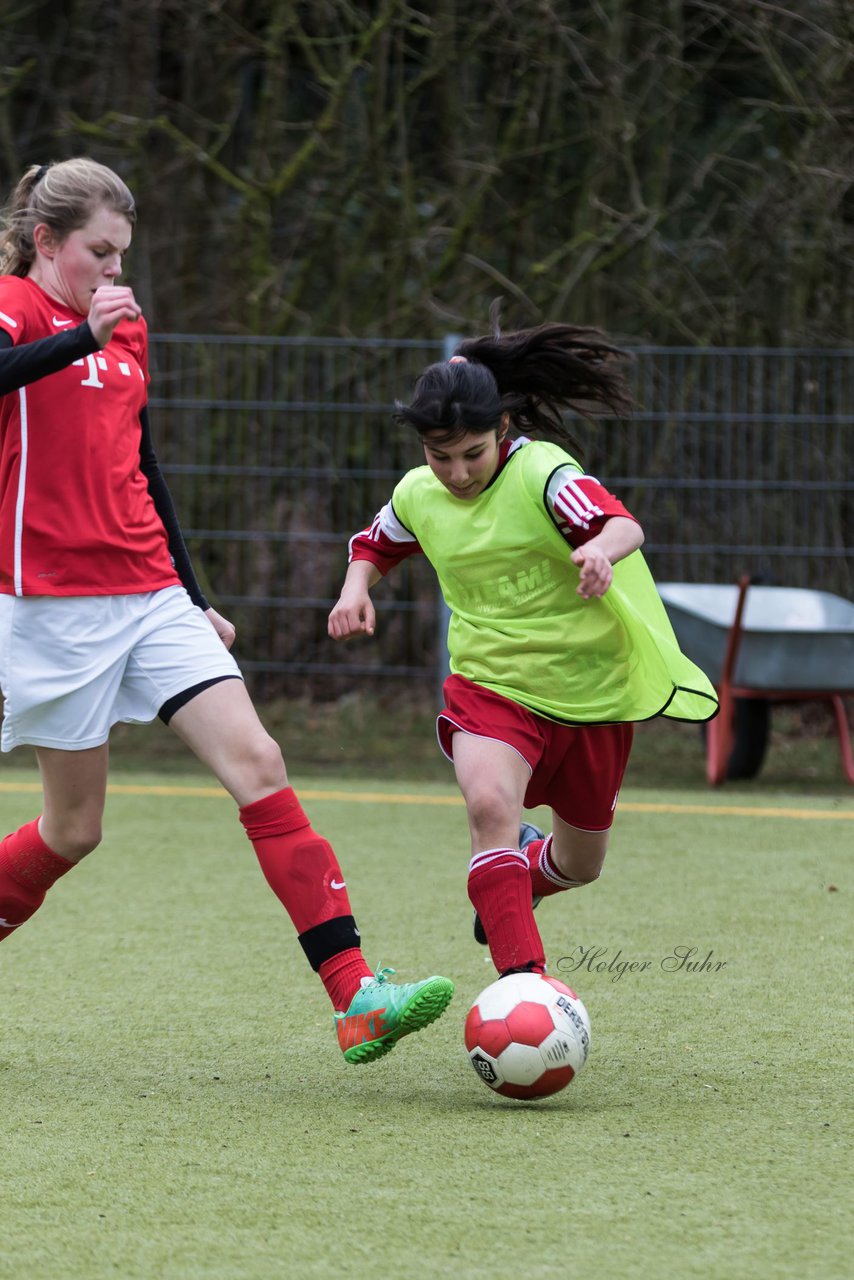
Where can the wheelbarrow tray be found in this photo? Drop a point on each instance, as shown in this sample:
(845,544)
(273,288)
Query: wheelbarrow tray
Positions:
(791,638)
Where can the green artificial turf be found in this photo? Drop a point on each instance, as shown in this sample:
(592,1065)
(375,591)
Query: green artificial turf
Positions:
(175,1105)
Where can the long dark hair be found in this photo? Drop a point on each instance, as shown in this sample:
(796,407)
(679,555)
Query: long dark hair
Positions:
(535,375)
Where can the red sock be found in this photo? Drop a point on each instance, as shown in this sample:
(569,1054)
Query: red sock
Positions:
(342,976)
(302,870)
(27,870)
(499,889)
(545,877)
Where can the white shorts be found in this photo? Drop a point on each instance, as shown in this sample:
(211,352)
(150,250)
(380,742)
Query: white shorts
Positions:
(73,666)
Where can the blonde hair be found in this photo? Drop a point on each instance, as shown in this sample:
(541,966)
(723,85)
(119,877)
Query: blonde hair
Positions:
(63,196)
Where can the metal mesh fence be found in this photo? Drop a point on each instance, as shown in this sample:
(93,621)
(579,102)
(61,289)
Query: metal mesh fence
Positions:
(278,450)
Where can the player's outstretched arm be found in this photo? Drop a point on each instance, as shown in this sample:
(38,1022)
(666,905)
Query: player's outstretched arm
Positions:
(620,536)
(354,613)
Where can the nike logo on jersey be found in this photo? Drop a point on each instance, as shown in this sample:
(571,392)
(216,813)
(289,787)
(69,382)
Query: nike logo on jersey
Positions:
(61,323)
(7,924)
(337,884)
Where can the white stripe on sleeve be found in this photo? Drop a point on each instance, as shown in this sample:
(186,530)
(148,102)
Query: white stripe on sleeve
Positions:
(569,501)
(385,525)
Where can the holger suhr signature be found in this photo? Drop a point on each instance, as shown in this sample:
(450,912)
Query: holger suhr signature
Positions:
(681,959)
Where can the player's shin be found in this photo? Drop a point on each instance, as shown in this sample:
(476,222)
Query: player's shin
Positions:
(499,888)
(302,870)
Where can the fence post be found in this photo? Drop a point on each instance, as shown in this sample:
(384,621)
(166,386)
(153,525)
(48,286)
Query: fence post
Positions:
(443,669)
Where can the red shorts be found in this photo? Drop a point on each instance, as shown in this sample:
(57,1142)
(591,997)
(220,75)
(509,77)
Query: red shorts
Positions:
(576,770)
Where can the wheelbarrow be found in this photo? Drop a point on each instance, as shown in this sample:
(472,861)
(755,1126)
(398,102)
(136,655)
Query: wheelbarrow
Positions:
(759,645)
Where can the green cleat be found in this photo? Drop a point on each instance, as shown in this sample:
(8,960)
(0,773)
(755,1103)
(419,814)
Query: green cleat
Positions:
(383,1012)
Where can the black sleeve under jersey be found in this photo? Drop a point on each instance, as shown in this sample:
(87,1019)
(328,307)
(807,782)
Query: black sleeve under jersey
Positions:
(162,499)
(21,365)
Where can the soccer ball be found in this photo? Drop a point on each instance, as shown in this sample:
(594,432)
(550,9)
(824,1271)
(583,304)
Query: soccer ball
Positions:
(527,1035)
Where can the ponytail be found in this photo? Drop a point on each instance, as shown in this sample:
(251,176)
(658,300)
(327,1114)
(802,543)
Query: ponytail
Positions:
(535,375)
(552,368)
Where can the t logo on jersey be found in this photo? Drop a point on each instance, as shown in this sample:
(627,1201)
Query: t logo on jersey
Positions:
(99,364)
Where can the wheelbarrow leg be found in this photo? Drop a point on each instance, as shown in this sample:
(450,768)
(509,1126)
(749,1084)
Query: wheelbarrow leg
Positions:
(720,730)
(719,733)
(844,736)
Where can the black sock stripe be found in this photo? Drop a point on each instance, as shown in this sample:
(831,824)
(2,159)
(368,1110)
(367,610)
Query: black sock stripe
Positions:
(323,941)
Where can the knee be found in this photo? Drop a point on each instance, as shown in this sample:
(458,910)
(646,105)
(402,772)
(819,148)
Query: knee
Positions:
(77,836)
(585,875)
(489,805)
(580,869)
(265,764)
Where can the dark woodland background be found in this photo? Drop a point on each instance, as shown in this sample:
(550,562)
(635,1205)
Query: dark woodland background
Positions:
(678,171)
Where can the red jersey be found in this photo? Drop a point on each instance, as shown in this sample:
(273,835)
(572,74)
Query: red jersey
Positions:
(76,516)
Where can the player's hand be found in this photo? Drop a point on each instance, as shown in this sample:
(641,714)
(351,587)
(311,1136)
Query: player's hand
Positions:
(110,304)
(353,615)
(224,629)
(596,570)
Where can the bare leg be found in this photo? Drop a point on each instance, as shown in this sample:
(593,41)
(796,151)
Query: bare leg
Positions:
(221,726)
(578,855)
(34,857)
(493,779)
(75,789)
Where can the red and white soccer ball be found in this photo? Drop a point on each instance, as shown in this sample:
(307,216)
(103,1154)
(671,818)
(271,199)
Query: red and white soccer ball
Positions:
(527,1035)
